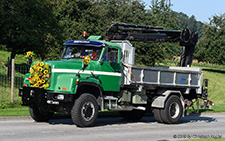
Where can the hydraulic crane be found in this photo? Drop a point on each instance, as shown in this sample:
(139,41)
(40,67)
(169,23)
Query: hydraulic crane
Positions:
(147,33)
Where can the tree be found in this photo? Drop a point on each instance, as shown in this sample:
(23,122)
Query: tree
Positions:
(211,48)
(190,23)
(160,14)
(27,25)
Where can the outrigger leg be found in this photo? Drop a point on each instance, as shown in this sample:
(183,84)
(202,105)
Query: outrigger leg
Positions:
(205,96)
(207,104)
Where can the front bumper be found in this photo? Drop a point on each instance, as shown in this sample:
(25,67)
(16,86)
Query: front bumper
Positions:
(41,97)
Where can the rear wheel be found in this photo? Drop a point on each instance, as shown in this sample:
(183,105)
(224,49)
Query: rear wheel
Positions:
(172,111)
(132,115)
(39,114)
(85,110)
(157,115)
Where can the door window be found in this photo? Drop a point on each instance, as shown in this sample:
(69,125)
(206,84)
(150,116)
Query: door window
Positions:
(110,55)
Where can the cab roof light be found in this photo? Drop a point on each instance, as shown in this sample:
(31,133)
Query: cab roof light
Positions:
(84,35)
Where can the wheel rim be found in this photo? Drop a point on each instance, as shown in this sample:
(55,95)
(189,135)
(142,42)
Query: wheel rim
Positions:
(88,111)
(174,110)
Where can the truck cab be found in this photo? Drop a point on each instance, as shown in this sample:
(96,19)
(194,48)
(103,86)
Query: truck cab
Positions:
(71,77)
(104,62)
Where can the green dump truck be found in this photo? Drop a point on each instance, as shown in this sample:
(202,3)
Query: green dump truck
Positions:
(95,75)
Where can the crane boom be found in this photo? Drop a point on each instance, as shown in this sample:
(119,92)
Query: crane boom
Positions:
(147,33)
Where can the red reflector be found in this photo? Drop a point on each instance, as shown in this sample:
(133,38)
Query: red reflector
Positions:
(63,88)
(25,85)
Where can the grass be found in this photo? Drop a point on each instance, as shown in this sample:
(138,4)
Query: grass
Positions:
(216,89)
(17,111)
(5,82)
(216,75)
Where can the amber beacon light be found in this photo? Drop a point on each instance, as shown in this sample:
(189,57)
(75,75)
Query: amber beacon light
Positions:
(84,34)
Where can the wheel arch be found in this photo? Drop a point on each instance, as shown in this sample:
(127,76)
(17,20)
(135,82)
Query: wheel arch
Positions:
(159,101)
(92,88)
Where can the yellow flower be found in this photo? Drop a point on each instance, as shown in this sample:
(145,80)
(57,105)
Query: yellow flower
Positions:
(44,86)
(45,71)
(43,81)
(41,64)
(29,54)
(32,71)
(39,82)
(39,75)
(86,60)
(47,85)
(40,69)
(37,78)
(38,63)
(36,85)
(46,66)
(32,85)
(31,81)
(34,67)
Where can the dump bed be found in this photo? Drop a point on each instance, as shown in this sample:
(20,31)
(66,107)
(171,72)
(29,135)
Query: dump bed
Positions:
(173,77)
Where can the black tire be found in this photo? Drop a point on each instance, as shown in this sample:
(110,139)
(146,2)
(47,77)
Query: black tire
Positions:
(39,114)
(132,115)
(85,110)
(157,115)
(172,111)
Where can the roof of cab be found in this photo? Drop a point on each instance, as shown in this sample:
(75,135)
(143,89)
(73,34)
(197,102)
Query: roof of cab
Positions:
(84,42)
(99,43)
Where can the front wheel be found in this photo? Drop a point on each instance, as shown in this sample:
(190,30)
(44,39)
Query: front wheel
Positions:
(39,114)
(85,110)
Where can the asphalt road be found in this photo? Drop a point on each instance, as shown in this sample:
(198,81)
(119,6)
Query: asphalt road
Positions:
(118,129)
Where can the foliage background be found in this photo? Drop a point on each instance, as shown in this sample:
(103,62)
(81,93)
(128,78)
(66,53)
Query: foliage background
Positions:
(43,26)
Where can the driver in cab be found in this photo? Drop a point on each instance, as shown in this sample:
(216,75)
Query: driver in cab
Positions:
(83,54)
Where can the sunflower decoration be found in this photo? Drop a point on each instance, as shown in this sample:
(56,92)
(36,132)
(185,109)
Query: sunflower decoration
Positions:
(86,60)
(29,55)
(39,75)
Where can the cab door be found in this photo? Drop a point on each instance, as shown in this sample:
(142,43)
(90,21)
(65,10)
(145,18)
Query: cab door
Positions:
(110,68)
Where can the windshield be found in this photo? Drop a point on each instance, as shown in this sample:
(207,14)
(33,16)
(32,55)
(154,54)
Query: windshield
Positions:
(79,52)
